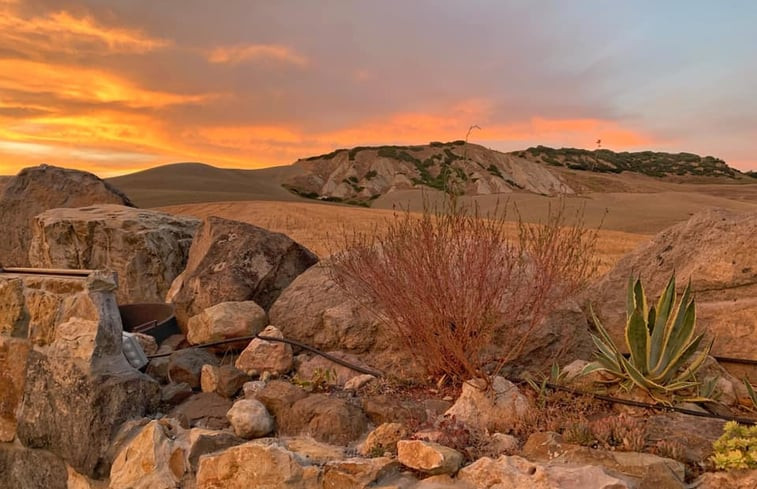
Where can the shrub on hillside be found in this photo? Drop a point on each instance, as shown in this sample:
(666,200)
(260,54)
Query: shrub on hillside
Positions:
(446,281)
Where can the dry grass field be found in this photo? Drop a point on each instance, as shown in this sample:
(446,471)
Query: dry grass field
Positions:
(320,226)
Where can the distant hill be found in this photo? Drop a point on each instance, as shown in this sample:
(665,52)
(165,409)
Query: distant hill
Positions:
(182,183)
(653,164)
(362,174)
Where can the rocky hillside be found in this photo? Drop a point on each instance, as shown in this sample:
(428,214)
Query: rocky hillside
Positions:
(362,174)
(651,163)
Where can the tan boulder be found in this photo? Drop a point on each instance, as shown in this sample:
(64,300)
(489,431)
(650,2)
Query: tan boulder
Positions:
(315,366)
(496,409)
(518,473)
(428,457)
(38,189)
(154,459)
(226,320)
(315,311)
(256,464)
(311,450)
(236,261)
(715,249)
(326,418)
(147,249)
(266,356)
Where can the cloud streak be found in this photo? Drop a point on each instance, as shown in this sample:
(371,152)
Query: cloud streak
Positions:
(255,53)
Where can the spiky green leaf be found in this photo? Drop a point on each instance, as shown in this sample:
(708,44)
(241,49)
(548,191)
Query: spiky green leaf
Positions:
(664,308)
(637,340)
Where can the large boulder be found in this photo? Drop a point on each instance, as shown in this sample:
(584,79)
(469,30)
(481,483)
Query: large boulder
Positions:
(236,261)
(715,249)
(316,311)
(498,408)
(40,188)
(13,355)
(147,249)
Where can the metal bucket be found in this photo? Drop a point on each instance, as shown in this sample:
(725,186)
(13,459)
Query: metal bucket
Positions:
(155,319)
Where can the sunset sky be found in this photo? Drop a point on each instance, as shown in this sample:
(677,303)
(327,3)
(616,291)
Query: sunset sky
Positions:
(116,86)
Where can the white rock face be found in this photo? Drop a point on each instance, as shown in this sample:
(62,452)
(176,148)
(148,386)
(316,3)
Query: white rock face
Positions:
(226,320)
(428,457)
(266,356)
(250,419)
(147,249)
(495,410)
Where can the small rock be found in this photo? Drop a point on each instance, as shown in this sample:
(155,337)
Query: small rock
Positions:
(356,383)
(502,444)
(230,380)
(225,321)
(174,394)
(252,389)
(261,355)
(250,419)
(147,342)
(732,479)
(383,439)
(497,409)
(428,457)
(387,409)
(359,473)
(203,410)
(186,365)
(209,378)
(279,396)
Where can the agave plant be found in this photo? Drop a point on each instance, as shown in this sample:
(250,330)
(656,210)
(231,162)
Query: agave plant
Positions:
(663,356)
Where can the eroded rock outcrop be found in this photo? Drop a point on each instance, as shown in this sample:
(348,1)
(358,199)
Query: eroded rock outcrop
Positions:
(236,261)
(147,249)
(38,189)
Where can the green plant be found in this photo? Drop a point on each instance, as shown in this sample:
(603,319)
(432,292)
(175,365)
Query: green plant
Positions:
(661,342)
(320,380)
(579,433)
(621,431)
(669,449)
(750,392)
(736,448)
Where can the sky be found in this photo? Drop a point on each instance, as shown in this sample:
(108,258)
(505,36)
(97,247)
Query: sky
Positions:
(118,86)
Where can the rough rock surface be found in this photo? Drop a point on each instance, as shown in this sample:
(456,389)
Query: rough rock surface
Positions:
(428,457)
(715,249)
(732,479)
(315,311)
(250,419)
(73,411)
(186,365)
(359,473)
(13,355)
(38,189)
(278,397)
(266,356)
(274,467)
(22,468)
(147,249)
(203,410)
(327,419)
(226,320)
(236,261)
(383,439)
(518,473)
(497,409)
(154,459)
(339,375)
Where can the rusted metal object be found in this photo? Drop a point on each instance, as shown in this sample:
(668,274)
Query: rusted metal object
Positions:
(155,319)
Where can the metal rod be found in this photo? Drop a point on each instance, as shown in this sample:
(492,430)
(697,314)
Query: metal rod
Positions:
(47,271)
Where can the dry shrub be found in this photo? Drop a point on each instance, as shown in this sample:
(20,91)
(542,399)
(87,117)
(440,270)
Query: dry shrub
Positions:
(447,280)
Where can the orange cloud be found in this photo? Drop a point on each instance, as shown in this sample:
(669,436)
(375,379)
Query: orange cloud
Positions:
(63,32)
(255,52)
(83,84)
